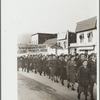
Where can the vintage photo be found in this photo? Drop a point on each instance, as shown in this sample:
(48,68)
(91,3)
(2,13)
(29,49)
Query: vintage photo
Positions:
(57,45)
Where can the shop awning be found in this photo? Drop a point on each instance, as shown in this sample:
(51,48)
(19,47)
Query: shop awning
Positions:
(56,47)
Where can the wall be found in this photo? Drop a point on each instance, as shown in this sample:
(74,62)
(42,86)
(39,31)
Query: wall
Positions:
(86,44)
(35,39)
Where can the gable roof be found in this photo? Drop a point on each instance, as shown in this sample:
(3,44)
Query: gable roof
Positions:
(51,41)
(86,24)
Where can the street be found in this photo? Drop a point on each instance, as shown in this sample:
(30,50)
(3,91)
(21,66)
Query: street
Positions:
(32,86)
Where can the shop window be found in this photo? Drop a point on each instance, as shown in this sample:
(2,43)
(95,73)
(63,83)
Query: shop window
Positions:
(90,36)
(81,38)
(64,44)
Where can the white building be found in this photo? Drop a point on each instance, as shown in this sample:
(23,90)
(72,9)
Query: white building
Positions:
(86,36)
(64,39)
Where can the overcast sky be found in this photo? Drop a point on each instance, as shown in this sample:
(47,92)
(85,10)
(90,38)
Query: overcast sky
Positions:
(52,15)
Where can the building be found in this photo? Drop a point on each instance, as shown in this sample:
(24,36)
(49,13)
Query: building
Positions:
(86,32)
(64,39)
(40,38)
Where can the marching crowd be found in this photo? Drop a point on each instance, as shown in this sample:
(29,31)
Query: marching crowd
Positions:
(80,68)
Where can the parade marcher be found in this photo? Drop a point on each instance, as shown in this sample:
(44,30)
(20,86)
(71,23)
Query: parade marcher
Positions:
(28,63)
(36,64)
(71,71)
(44,65)
(92,64)
(79,62)
(63,69)
(23,62)
(39,64)
(54,68)
(66,57)
(18,63)
(58,70)
(83,79)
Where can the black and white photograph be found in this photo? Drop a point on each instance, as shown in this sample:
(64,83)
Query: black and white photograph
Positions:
(56,49)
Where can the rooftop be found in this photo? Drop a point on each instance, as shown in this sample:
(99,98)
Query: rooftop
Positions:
(86,24)
(51,41)
(43,33)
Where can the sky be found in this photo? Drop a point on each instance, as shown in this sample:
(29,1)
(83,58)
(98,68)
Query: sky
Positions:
(52,16)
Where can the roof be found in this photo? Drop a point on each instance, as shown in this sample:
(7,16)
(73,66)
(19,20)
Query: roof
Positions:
(51,41)
(86,24)
(43,33)
(62,35)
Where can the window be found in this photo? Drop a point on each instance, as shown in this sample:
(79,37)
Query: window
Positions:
(90,36)
(64,44)
(81,38)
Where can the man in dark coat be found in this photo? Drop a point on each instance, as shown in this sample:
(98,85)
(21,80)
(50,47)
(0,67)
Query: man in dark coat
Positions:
(83,78)
(35,63)
(71,71)
(23,63)
(53,67)
(39,65)
(28,63)
(92,65)
(62,65)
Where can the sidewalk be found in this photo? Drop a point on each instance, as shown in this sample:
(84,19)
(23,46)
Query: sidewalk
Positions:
(62,90)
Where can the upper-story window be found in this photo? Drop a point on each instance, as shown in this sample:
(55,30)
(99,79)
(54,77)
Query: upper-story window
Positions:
(90,36)
(81,38)
(65,44)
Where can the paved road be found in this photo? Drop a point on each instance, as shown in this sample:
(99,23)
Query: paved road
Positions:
(32,86)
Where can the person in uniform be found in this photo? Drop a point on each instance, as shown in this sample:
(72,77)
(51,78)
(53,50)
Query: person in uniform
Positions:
(83,79)
(71,71)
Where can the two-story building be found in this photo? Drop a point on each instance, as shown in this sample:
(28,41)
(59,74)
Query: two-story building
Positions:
(86,32)
(64,39)
(40,38)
